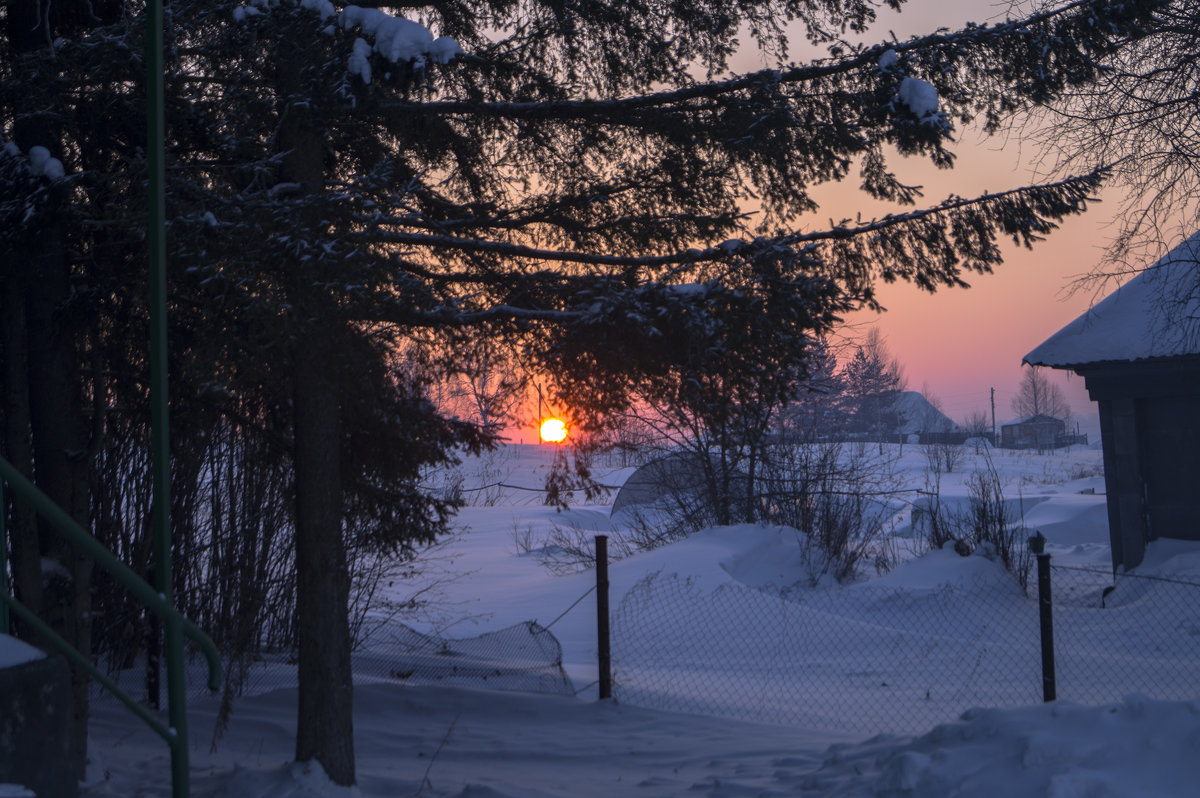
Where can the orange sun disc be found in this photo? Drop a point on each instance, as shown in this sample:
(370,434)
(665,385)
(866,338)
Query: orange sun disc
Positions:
(554,430)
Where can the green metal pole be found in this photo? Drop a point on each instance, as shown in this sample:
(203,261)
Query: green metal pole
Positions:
(160,436)
(23,489)
(4,627)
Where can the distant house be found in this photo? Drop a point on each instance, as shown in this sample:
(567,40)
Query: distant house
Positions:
(915,415)
(1139,354)
(904,416)
(1033,432)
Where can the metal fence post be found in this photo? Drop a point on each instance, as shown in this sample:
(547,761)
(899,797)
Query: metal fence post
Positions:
(605,654)
(156,230)
(1046,614)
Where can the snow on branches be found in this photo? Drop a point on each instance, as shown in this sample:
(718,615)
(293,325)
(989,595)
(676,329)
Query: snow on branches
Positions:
(395,39)
(39,162)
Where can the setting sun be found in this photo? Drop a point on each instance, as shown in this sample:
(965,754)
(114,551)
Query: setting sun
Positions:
(554,430)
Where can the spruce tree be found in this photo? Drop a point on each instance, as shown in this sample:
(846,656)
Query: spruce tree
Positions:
(587,182)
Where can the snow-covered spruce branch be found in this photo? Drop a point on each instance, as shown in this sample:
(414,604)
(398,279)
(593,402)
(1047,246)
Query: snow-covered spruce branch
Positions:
(390,4)
(1081,184)
(555,212)
(1075,186)
(449,316)
(869,57)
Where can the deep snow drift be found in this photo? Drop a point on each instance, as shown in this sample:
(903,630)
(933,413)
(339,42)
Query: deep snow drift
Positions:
(456,739)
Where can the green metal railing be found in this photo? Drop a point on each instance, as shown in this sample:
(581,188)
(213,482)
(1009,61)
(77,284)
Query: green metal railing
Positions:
(177,626)
(174,626)
(158,599)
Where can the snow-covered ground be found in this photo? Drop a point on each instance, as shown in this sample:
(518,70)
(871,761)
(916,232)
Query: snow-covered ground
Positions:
(739,673)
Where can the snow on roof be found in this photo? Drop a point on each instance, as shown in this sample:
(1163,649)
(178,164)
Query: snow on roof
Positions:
(1148,317)
(918,415)
(1028,419)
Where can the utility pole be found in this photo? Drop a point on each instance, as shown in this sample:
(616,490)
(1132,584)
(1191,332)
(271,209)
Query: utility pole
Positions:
(537,434)
(993,416)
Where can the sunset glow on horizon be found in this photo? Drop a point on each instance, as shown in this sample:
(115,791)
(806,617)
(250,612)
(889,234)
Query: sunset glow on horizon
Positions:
(960,344)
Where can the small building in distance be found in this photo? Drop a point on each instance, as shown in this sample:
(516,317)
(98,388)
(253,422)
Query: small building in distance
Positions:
(1038,431)
(1138,351)
(916,415)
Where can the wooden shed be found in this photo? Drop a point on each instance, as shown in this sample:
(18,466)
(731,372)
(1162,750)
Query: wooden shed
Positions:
(1038,431)
(1139,354)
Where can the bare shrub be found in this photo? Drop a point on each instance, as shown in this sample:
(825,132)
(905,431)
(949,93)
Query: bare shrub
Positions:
(1085,471)
(977,428)
(628,441)
(570,548)
(838,496)
(525,541)
(991,527)
(985,526)
(931,517)
(495,468)
(409,588)
(649,531)
(944,456)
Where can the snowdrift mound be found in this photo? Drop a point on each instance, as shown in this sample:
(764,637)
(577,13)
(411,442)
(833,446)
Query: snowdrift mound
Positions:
(936,571)
(1136,747)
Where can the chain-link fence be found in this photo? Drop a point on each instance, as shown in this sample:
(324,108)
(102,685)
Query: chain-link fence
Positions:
(865,659)
(524,657)
(1139,634)
(859,659)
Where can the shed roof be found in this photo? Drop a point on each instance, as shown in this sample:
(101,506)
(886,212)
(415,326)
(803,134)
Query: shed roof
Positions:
(1151,316)
(918,415)
(1039,418)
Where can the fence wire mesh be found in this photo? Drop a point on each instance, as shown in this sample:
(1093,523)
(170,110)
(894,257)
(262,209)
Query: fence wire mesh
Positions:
(1139,634)
(858,660)
(861,659)
(865,659)
(524,657)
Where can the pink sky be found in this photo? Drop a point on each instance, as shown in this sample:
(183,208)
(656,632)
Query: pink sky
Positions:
(961,343)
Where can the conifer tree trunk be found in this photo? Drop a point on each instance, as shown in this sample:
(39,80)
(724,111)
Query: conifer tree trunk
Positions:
(325,730)
(60,446)
(325,724)
(57,430)
(18,448)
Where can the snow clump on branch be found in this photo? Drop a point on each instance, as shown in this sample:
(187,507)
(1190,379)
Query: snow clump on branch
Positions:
(322,7)
(256,8)
(41,163)
(922,99)
(920,96)
(396,39)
